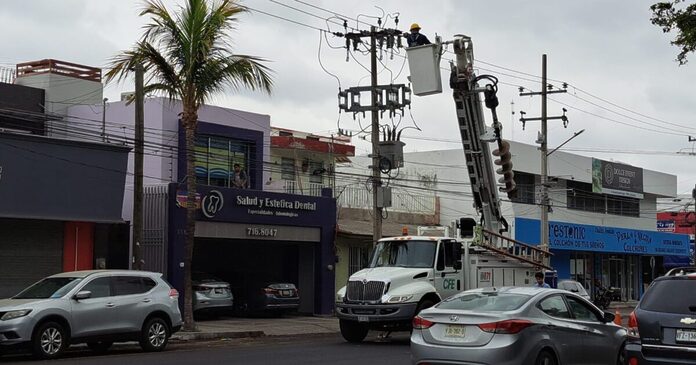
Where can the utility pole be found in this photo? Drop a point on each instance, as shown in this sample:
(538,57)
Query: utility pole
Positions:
(103,133)
(545,205)
(138,170)
(376,174)
(388,154)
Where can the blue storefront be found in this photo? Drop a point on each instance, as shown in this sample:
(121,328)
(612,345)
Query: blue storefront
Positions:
(250,238)
(620,258)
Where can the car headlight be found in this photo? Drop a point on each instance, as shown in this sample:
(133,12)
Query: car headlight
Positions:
(339,297)
(399,298)
(15,314)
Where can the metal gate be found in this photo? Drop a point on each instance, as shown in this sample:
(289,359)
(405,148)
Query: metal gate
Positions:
(29,251)
(155,223)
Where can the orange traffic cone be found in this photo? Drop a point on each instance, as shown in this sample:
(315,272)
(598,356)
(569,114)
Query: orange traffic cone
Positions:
(617,318)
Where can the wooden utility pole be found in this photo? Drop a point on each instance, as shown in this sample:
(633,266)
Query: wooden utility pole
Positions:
(138,168)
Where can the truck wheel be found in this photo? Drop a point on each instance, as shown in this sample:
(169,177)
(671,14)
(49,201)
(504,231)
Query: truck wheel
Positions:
(353,331)
(424,305)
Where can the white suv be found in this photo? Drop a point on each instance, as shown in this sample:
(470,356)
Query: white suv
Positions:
(94,307)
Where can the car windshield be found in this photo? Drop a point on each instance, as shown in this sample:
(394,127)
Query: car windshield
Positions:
(49,288)
(671,296)
(487,302)
(417,254)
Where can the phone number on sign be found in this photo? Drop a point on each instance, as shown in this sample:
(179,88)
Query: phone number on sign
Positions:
(262,232)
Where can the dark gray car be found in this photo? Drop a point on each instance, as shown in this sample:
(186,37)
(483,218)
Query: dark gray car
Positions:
(94,307)
(513,326)
(662,329)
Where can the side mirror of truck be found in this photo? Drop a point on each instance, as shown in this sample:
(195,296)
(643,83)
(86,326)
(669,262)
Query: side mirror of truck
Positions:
(457,255)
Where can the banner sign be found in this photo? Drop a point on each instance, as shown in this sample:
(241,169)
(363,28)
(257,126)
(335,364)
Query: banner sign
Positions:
(582,237)
(617,179)
(665,226)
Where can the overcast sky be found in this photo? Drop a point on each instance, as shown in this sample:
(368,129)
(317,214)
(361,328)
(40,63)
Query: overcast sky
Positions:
(608,49)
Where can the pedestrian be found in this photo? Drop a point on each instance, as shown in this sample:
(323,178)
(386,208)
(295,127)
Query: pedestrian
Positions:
(239,179)
(415,38)
(540,283)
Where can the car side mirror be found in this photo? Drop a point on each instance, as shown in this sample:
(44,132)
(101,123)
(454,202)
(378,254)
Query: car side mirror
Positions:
(85,294)
(609,317)
(458,264)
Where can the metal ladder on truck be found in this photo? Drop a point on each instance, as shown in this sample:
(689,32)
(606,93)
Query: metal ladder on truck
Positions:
(476,136)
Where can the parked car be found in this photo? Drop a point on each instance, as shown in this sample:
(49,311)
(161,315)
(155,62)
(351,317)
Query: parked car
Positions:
(212,294)
(662,328)
(574,287)
(95,307)
(677,271)
(513,325)
(276,298)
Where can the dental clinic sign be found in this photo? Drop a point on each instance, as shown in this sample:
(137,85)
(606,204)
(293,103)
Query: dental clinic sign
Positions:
(582,237)
(617,179)
(273,206)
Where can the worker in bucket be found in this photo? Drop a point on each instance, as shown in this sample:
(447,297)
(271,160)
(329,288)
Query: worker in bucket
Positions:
(415,38)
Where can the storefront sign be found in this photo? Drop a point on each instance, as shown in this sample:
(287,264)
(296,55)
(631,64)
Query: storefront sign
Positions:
(665,226)
(617,179)
(581,237)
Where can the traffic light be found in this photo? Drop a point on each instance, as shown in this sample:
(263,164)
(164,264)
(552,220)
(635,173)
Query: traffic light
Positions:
(505,162)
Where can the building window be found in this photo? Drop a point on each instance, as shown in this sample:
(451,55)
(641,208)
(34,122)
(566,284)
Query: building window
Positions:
(525,188)
(357,259)
(623,206)
(581,197)
(216,157)
(287,168)
(316,172)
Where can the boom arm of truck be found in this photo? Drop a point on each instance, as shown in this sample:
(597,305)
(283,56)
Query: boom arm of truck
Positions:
(476,135)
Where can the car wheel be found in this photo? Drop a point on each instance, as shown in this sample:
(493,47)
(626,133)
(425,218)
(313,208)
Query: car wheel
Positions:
(49,341)
(154,335)
(353,331)
(100,346)
(545,358)
(424,305)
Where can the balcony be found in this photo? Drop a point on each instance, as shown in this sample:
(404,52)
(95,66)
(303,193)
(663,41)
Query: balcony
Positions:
(310,189)
(357,197)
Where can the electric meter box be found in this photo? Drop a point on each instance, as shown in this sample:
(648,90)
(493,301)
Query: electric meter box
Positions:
(424,65)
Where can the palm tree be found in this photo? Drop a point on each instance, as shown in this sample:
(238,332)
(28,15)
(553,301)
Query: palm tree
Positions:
(186,55)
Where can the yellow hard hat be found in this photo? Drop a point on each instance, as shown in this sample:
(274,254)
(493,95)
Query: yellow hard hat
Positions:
(415,26)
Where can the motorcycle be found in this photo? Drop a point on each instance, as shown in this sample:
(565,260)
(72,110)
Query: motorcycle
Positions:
(602,298)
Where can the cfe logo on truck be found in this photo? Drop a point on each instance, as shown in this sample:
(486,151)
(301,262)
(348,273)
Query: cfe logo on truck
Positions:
(448,284)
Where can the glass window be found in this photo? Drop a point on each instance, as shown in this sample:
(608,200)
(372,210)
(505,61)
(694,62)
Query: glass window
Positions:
(581,197)
(681,294)
(525,188)
(128,285)
(100,287)
(555,307)
(216,157)
(420,254)
(287,168)
(582,311)
(493,302)
(316,172)
(49,288)
(148,284)
(445,258)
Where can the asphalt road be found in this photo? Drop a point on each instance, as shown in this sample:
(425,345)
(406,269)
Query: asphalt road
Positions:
(325,349)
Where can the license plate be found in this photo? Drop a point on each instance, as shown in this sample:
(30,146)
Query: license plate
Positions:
(363,319)
(454,331)
(686,336)
(285,293)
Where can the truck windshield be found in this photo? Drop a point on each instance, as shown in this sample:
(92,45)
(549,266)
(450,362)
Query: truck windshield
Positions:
(420,254)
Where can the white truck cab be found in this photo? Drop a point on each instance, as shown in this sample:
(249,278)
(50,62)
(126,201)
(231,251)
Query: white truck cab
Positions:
(409,273)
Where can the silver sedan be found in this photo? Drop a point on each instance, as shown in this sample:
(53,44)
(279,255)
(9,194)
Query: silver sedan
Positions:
(519,326)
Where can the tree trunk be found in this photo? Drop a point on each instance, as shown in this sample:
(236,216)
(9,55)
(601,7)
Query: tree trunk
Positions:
(190,121)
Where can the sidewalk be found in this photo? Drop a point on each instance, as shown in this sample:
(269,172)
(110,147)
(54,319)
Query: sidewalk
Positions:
(232,327)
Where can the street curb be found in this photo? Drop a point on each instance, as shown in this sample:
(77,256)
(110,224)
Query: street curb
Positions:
(198,336)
